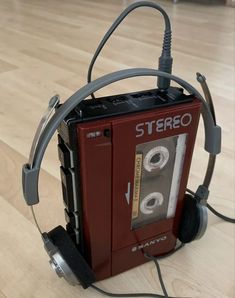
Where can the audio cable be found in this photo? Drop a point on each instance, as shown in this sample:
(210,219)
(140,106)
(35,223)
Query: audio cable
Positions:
(165,60)
(155,260)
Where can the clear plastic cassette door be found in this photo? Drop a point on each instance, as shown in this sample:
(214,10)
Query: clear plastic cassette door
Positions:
(158,171)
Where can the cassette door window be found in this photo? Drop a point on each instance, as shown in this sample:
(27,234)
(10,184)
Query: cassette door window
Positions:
(150,167)
(158,170)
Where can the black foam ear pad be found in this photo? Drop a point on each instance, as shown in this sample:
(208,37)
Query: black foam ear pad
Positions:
(190,220)
(72,256)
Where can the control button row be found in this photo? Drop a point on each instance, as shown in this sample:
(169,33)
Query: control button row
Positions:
(65,156)
(69,189)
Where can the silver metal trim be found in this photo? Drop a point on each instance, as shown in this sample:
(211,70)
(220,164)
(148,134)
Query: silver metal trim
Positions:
(177,174)
(76,217)
(203,221)
(58,263)
(53,103)
(77,235)
(75,202)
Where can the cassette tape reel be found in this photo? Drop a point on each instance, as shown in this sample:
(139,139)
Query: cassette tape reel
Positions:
(158,169)
(156,159)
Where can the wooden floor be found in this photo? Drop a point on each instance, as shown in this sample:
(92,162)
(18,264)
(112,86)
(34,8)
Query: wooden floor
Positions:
(45,48)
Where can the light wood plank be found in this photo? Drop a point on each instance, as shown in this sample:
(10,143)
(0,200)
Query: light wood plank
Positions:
(4,66)
(11,189)
(2,295)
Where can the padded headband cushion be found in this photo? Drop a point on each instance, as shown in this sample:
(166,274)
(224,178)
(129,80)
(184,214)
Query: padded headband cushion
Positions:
(71,255)
(190,220)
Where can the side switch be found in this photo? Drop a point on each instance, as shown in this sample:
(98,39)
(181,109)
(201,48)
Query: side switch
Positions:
(65,156)
(72,218)
(67,180)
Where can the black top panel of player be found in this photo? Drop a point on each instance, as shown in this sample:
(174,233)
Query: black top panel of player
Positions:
(115,105)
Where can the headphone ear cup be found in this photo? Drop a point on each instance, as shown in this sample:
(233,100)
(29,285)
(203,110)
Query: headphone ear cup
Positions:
(190,220)
(72,257)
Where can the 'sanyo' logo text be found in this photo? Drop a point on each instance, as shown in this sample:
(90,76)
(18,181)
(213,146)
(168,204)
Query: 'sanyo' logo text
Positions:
(149,243)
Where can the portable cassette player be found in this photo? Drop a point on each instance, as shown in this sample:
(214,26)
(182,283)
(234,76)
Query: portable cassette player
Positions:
(125,162)
(124,167)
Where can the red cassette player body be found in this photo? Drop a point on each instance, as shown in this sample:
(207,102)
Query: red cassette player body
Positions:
(125,162)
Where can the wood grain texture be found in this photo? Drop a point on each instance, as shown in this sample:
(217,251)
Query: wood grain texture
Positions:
(45,48)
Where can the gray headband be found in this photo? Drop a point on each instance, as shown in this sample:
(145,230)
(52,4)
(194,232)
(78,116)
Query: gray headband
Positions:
(30,172)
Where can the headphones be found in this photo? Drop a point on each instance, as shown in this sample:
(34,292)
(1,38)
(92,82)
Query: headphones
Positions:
(65,257)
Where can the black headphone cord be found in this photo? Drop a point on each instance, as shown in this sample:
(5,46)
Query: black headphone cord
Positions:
(155,259)
(215,212)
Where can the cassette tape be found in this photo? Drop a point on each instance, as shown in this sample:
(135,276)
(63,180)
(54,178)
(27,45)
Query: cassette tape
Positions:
(158,170)
(125,161)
